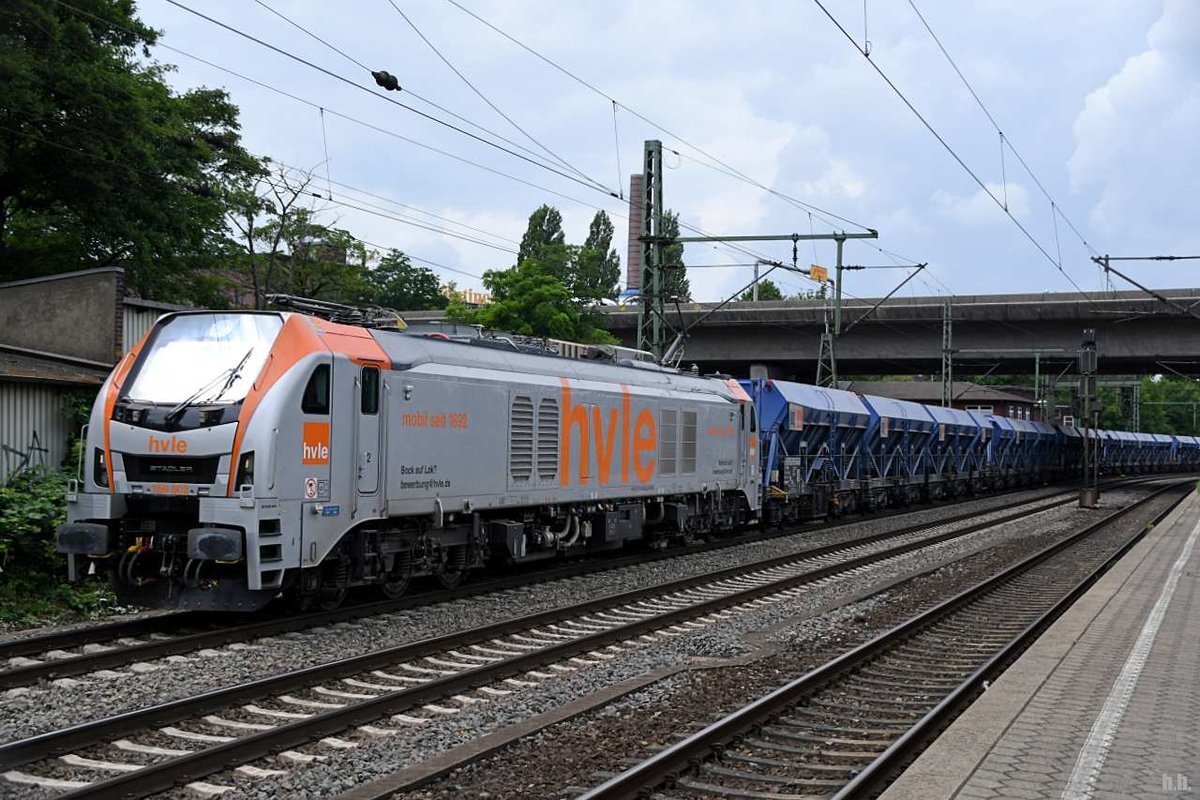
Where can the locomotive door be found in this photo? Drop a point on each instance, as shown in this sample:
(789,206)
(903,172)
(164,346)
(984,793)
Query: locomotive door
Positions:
(367,433)
(743,441)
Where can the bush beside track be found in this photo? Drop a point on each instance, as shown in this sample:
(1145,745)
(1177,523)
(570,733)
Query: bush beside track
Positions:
(33,586)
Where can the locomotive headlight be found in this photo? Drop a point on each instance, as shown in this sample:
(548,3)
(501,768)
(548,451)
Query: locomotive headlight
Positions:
(245,471)
(99,468)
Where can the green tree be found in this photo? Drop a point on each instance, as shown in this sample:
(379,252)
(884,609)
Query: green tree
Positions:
(260,210)
(544,229)
(767,290)
(597,267)
(528,300)
(396,283)
(675,282)
(819,293)
(324,263)
(101,163)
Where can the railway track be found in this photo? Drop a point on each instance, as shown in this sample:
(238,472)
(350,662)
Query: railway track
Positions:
(304,716)
(107,646)
(846,728)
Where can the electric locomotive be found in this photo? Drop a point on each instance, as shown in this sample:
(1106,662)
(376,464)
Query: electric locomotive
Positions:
(236,457)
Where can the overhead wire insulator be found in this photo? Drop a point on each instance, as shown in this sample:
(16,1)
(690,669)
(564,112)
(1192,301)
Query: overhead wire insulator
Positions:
(386,79)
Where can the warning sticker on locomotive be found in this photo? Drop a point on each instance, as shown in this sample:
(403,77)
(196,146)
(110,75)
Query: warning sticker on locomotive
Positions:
(310,488)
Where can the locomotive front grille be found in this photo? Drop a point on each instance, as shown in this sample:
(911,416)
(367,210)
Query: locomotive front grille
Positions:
(171,469)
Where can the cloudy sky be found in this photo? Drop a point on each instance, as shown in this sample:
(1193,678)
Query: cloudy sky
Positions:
(1100,98)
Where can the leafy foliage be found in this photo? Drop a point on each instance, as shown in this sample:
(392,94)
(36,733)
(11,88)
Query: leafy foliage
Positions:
(101,163)
(675,282)
(528,299)
(1168,405)
(33,585)
(549,291)
(767,290)
(597,266)
(397,283)
(545,228)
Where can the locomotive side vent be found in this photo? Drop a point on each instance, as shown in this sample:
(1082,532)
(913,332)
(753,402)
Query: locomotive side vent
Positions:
(687,462)
(668,437)
(520,439)
(547,439)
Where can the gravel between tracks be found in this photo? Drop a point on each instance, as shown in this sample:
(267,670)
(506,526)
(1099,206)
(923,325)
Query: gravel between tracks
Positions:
(804,637)
(28,711)
(601,742)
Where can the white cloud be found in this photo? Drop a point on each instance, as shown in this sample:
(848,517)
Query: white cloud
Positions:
(980,208)
(769,87)
(1135,139)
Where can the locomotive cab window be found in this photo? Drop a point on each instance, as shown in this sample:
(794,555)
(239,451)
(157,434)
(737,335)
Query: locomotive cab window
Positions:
(369,403)
(316,393)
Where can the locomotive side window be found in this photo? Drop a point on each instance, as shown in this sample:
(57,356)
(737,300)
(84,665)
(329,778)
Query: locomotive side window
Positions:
(316,393)
(687,460)
(369,402)
(667,438)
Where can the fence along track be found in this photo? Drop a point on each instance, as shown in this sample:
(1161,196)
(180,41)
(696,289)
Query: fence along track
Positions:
(117,644)
(847,727)
(490,660)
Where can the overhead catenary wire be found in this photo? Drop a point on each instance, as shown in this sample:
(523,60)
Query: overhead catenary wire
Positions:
(1055,208)
(342,78)
(367,208)
(151,174)
(954,154)
(407,90)
(736,173)
(342,115)
(391,201)
(409,140)
(342,185)
(380,129)
(325,145)
(563,162)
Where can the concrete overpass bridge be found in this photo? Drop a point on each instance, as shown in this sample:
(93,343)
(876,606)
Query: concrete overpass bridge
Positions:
(1135,334)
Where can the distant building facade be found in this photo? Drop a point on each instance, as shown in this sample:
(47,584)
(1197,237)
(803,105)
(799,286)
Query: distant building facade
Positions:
(60,336)
(1005,401)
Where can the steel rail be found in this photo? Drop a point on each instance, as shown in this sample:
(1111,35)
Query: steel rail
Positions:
(891,761)
(163,775)
(638,780)
(147,651)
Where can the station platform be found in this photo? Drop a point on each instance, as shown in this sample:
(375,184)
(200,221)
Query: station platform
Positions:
(1106,703)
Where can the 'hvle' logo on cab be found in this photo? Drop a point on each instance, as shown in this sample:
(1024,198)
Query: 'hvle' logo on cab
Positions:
(161,444)
(316,443)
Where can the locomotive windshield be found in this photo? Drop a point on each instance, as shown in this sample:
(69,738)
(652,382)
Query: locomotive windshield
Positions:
(204,358)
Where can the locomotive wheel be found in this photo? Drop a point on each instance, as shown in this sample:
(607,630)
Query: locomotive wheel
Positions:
(455,568)
(396,582)
(335,585)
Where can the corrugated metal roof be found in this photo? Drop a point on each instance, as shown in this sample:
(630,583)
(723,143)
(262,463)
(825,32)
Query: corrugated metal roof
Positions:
(952,416)
(817,397)
(931,391)
(898,409)
(26,367)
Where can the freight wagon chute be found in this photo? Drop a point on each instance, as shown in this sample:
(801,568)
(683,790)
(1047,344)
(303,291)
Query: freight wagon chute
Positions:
(955,451)
(811,440)
(898,439)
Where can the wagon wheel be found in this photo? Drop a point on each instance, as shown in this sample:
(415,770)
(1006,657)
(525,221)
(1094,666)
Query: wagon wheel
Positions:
(395,583)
